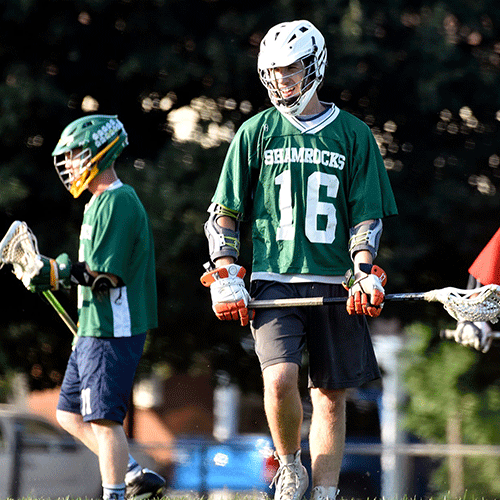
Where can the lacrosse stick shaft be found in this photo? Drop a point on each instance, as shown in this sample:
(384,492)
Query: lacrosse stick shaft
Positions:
(324,301)
(450,334)
(61,311)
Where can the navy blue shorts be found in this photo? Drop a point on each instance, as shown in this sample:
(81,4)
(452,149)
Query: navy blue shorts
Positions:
(339,346)
(99,377)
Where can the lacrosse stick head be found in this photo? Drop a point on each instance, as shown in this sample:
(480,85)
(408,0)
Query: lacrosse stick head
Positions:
(19,247)
(476,304)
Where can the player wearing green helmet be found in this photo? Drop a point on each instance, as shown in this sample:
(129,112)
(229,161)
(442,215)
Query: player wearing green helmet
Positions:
(117,302)
(95,141)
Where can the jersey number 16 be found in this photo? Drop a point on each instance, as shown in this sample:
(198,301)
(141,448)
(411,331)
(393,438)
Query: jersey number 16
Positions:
(314,207)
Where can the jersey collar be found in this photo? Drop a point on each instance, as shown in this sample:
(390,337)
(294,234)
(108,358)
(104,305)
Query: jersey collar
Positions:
(115,185)
(316,124)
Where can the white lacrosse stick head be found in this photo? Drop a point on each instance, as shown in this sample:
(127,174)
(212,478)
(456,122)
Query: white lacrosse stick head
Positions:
(19,247)
(476,304)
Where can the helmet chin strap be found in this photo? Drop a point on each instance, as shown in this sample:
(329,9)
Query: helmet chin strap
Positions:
(288,109)
(289,101)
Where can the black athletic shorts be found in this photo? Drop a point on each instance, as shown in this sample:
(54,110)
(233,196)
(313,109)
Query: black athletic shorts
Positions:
(340,349)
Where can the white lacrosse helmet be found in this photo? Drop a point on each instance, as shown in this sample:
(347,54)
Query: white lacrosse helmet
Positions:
(283,45)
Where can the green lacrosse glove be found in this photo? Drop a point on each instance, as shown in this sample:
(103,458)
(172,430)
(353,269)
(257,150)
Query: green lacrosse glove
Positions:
(52,275)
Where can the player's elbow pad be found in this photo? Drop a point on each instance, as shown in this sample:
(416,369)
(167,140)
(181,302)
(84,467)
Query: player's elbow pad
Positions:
(365,236)
(99,283)
(222,241)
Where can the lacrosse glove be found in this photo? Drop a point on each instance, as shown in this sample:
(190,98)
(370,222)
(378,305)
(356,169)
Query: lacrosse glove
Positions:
(52,275)
(229,296)
(475,334)
(366,290)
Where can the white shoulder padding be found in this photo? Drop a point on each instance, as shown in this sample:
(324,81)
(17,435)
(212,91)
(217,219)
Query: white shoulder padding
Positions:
(365,236)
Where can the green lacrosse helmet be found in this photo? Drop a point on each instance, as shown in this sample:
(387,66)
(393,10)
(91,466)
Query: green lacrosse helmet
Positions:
(86,147)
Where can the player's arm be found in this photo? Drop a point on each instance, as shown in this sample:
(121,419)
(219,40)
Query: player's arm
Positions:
(229,225)
(224,277)
(100,283)
(365,283)
(62,273)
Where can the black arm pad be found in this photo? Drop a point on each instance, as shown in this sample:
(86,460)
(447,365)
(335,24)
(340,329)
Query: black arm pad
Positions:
(101,283)
(80,275)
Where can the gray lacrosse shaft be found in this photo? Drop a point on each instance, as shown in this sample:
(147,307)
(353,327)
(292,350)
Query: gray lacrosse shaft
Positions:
(450,334)
(324,301)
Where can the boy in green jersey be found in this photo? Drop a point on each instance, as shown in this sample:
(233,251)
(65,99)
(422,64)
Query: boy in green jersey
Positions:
(310,179)
(117,301)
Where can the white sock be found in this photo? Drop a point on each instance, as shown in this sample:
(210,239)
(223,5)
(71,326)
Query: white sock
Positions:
(113,491)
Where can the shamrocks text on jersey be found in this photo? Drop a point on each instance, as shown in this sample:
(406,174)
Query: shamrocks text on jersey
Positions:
(303,187)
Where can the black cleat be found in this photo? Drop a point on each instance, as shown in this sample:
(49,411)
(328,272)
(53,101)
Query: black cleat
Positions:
(147,484)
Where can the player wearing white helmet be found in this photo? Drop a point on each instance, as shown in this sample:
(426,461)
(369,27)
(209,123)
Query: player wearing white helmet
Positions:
(300,48)
(310,179)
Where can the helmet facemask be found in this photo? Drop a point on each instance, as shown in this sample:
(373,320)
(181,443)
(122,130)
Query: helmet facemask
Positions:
(295,103)
(75,177)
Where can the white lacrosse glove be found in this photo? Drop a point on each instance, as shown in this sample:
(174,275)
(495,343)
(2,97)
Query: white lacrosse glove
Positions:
(366,290)
(229,296)
(475,334)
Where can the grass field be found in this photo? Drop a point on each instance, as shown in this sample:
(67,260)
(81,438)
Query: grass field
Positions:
(265,497)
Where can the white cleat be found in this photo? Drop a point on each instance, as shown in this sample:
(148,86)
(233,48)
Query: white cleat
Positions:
(291,480)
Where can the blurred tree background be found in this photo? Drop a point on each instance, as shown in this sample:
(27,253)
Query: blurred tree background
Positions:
(181,75)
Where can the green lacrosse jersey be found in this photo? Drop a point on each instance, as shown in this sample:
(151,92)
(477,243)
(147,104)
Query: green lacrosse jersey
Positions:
(304,185)
(116,238)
